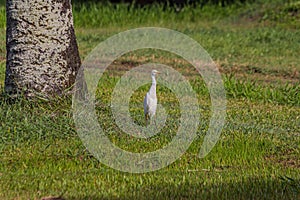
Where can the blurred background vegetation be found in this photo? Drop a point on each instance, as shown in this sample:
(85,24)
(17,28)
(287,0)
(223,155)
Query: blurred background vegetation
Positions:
(174,2)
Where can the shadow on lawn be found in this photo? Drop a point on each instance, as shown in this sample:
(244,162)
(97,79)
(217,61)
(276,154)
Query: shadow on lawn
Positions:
(281,188)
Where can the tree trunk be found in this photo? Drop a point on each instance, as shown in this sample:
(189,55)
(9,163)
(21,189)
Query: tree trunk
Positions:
(42,53)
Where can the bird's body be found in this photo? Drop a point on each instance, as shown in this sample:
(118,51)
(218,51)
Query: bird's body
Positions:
(150,100)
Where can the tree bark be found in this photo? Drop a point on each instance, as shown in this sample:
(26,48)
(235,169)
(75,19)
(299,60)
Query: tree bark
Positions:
(42,53)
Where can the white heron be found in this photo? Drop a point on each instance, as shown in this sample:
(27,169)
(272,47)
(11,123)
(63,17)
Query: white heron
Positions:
(150,100)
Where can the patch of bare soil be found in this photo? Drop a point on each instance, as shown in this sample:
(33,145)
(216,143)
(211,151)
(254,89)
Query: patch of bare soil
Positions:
(287,159)
(243,72)
(262,76)
(52,198)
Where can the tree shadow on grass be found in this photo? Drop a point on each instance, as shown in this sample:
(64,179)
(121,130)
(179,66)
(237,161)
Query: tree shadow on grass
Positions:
(280,188)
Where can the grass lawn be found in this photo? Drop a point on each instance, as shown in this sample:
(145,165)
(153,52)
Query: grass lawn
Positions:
(256,48)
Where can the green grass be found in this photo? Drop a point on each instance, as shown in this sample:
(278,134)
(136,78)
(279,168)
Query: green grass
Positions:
(42,155)
(257,156)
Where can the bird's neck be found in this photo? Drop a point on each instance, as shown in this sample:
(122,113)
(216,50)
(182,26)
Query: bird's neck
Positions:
(153,86)
(153,80)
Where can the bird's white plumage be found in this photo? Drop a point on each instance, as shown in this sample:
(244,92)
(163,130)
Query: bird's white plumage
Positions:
(150,100)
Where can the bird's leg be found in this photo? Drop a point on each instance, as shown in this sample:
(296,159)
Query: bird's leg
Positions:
(146,119)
